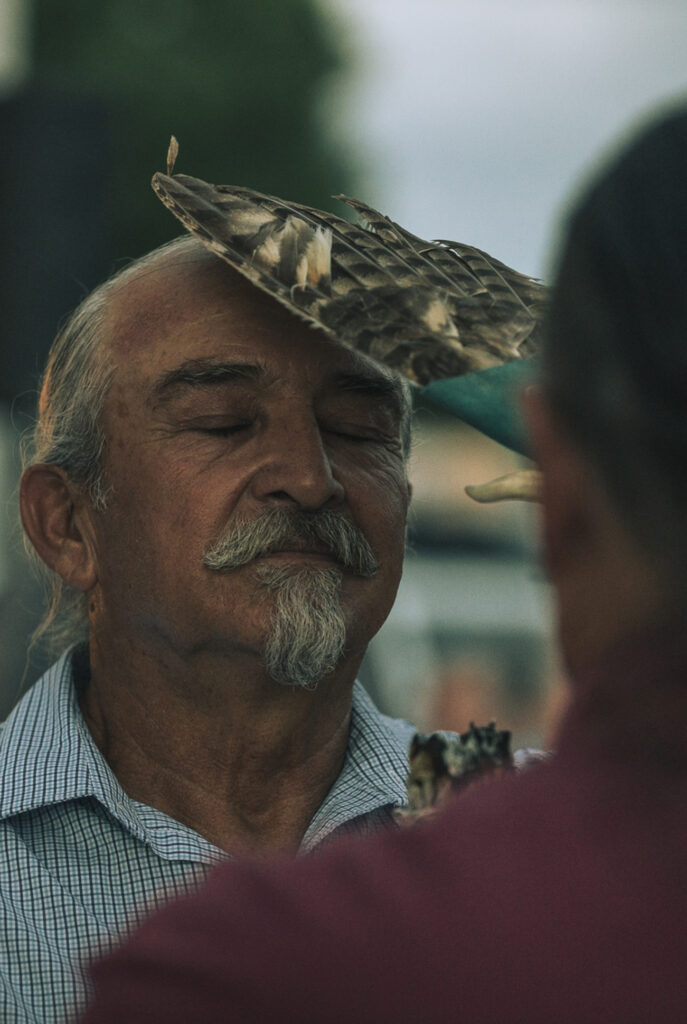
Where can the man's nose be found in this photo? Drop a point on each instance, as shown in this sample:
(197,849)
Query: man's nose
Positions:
(295,465)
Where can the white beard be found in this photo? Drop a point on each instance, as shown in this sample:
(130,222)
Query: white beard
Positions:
(307,633)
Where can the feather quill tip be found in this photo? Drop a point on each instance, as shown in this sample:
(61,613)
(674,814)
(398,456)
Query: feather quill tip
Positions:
(172,154)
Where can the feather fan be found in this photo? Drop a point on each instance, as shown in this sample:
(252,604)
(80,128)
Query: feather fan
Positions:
(439,312)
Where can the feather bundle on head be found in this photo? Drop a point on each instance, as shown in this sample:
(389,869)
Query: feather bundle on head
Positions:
(434,311)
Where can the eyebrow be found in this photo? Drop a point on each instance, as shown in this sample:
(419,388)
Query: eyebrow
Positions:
(203,373)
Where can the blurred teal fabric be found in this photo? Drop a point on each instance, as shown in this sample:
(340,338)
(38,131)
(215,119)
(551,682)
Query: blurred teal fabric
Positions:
(489,400)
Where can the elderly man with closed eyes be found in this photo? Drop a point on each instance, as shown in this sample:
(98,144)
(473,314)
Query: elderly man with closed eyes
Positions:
(222,496)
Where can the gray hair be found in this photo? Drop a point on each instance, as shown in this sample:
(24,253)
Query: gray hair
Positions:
(68,432)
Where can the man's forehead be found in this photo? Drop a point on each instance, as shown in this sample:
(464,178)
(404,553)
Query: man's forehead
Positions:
(175,308)
(173,289)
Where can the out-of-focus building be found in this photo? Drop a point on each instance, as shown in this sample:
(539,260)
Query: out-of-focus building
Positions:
(470,635)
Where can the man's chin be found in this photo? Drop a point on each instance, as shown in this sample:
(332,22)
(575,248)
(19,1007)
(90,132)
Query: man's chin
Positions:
(306,638)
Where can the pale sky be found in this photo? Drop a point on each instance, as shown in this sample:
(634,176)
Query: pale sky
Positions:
(476,119)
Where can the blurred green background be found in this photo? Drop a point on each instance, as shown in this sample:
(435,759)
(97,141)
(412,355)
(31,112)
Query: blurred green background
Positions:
(239,83)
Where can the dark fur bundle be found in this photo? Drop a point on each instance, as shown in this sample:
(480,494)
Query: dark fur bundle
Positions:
(441,763)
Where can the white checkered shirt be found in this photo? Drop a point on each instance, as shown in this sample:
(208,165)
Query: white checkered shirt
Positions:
(81,863)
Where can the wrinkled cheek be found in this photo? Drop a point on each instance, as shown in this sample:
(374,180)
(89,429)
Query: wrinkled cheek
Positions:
(393,520)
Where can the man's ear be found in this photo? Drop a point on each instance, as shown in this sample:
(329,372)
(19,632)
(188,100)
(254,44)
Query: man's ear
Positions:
(56,519)
(567,503)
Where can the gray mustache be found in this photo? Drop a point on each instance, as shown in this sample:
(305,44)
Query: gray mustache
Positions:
(273,529)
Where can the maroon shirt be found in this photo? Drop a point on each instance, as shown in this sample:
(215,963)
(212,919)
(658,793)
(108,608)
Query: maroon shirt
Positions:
(555,897)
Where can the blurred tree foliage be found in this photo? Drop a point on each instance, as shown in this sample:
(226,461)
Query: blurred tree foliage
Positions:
(239,82)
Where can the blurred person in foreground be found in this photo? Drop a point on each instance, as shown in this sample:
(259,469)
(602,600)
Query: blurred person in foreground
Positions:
(560,895)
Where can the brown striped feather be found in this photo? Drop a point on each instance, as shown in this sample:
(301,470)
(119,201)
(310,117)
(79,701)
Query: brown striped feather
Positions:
(428,309)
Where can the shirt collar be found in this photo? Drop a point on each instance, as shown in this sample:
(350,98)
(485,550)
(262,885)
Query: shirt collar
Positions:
(47,753)
(48,756)
(374,772)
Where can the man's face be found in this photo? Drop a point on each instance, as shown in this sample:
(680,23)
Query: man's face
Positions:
(223,406)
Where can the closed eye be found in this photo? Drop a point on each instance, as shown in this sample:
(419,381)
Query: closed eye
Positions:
(361,437)
(225,430)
